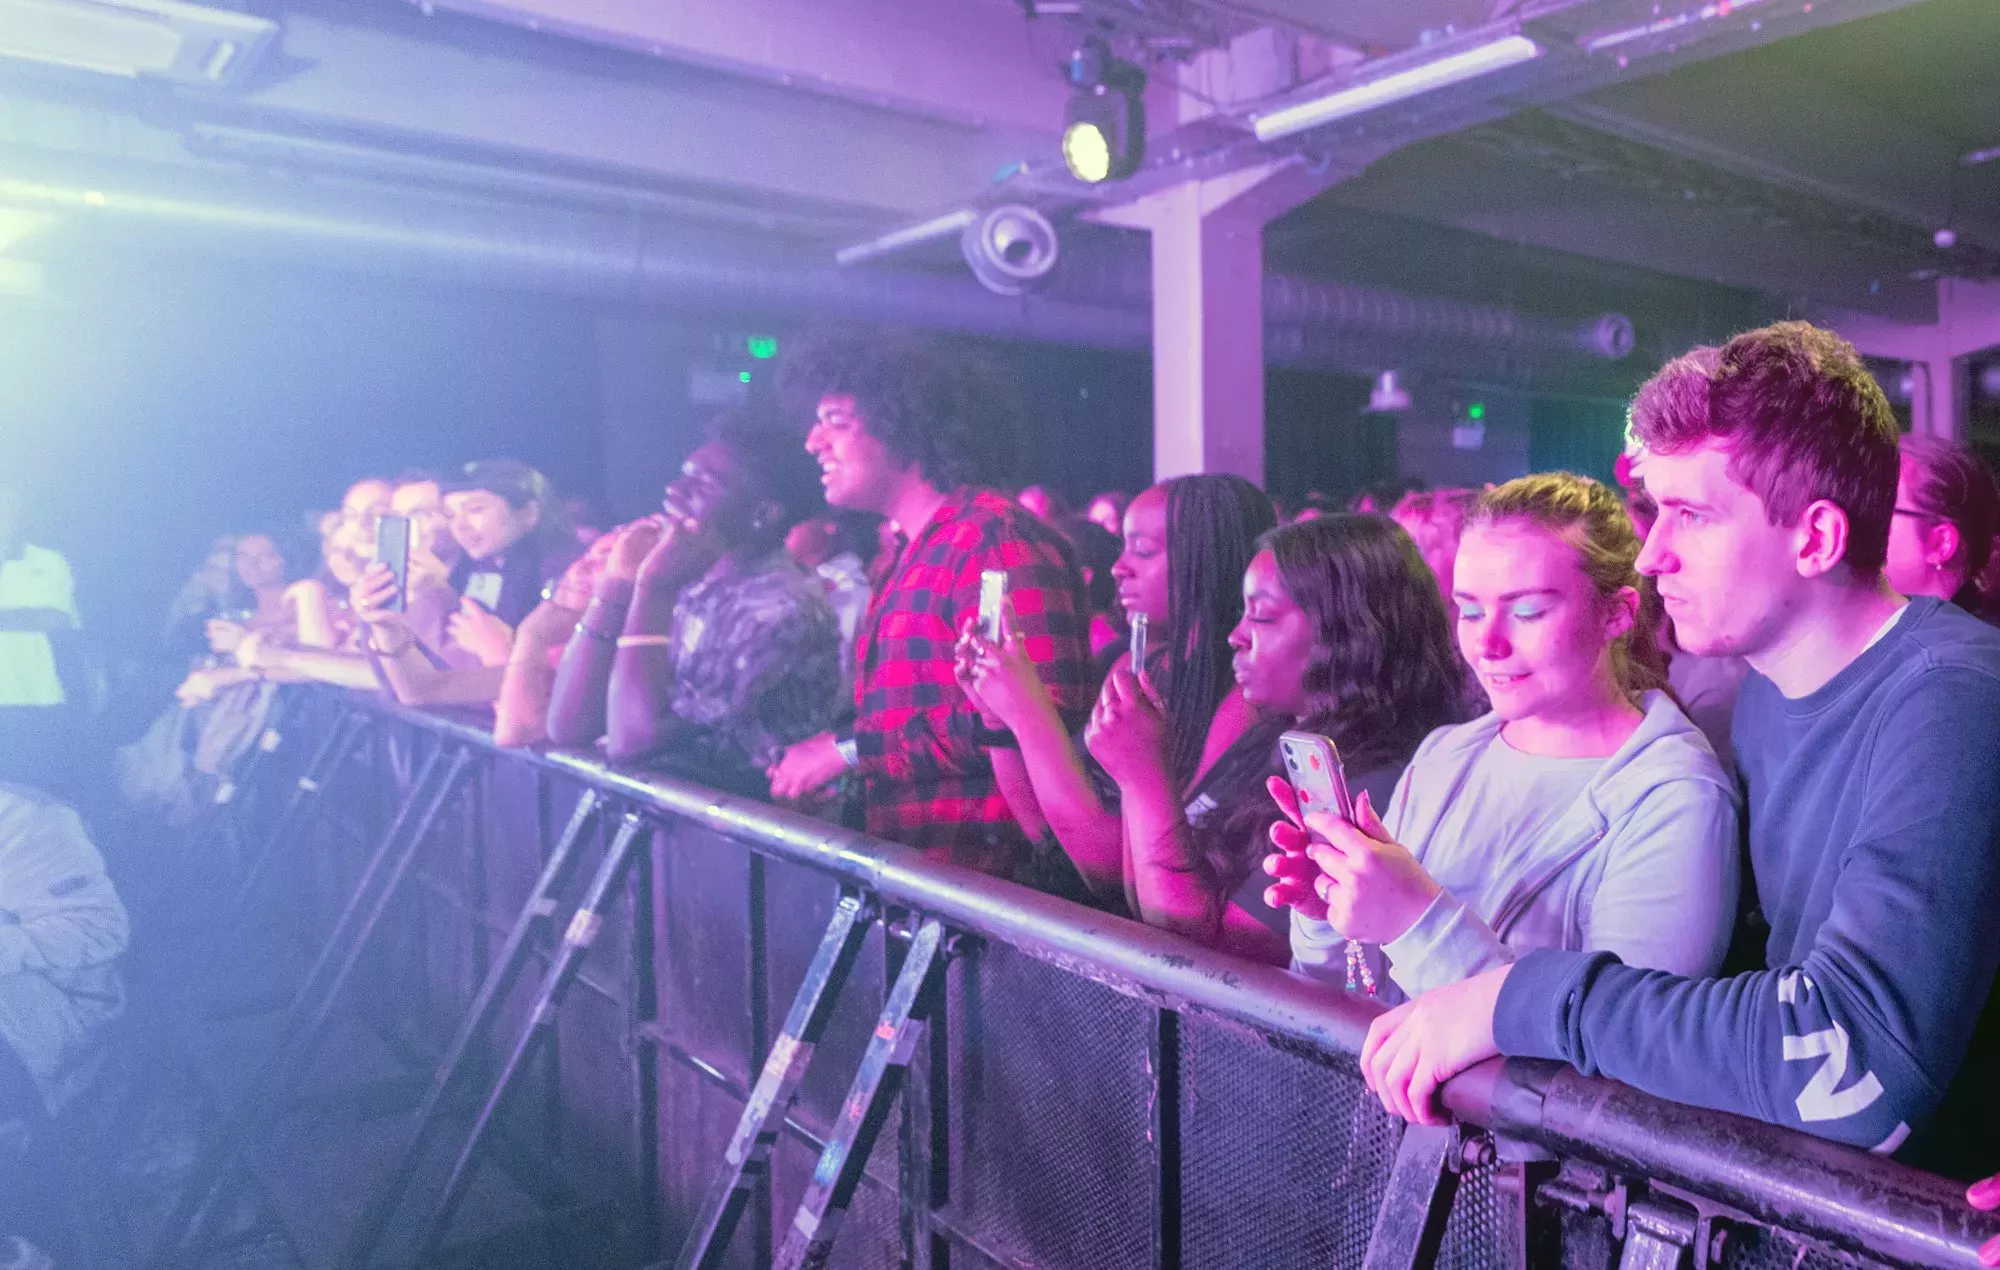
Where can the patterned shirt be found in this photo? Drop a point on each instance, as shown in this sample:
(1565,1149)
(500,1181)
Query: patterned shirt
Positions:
(926,783)
(756,661)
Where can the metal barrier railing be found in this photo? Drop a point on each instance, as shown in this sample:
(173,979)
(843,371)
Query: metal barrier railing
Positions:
(826,1049)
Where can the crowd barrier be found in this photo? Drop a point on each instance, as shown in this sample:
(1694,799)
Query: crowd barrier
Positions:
(730,1035)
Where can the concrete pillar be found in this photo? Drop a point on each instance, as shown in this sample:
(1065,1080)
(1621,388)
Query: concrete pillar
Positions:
(1938,398)
(1208,265)
(1968,322)
(1208,314)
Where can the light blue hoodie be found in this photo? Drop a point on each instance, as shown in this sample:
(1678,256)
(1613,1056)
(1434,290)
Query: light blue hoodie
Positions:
(1643,864)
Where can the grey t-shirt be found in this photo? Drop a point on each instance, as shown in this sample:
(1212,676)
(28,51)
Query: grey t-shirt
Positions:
(1508,804)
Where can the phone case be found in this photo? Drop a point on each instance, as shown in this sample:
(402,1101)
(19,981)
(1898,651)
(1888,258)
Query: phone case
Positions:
(1317,774)
(392,547)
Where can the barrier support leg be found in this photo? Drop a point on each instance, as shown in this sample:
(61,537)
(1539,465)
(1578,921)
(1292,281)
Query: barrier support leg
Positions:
(541,904)
(810,1240)
(311,1011)
(1409,1228)
(748,1159)
(582,932)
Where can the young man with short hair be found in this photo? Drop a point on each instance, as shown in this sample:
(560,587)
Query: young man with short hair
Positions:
(910,434)
(1868,737)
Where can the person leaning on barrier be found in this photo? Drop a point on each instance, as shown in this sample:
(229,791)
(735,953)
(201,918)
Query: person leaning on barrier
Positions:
(704,643)
(1868,739)
(906,432)
(1187,542)
(324,651)
(506,520)
(1584,811)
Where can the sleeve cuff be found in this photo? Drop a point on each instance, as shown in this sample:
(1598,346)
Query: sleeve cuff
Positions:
(1528,1018)
(1318,950)
(1445,944)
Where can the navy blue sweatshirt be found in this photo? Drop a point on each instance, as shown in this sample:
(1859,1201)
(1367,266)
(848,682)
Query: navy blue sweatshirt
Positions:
(1874,821)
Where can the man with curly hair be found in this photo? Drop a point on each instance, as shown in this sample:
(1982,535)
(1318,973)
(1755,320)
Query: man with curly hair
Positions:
(905,430)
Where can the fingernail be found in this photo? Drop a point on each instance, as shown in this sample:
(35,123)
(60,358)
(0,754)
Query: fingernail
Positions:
(1984,1193)
(1989,1254)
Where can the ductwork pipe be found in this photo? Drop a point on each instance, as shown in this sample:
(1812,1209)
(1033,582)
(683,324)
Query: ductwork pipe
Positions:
(1309,324)
(1316,308)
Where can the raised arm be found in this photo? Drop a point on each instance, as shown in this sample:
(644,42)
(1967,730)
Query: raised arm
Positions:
(1043,777)
(640,709)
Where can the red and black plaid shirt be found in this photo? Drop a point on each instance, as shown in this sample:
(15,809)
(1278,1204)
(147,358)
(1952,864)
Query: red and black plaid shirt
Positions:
(927,784)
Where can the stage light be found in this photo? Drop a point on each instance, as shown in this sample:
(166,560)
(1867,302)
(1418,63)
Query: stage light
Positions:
(761,347)
(742,376)
(1104,129)
(1476,411)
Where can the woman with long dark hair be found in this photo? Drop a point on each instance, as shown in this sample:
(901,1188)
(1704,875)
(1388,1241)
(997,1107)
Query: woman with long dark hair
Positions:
(1186,544)
(1343,633)
(1584,812)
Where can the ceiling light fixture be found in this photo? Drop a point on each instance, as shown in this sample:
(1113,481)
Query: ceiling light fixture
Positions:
(1384,90)
(134,38)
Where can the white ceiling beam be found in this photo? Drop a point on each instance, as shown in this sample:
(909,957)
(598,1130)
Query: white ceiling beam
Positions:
(973,61)
(677,124)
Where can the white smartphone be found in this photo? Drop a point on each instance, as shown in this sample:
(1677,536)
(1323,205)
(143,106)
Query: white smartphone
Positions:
(992,598)
(1139,644)
(1314,765)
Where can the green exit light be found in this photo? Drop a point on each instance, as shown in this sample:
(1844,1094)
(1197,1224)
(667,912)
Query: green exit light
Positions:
(762,347)
(743,376)
(1476,411)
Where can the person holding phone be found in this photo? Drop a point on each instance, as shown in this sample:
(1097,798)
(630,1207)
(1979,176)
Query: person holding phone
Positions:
(908,431)
(1186,544)
(1585,811)
(1342,633)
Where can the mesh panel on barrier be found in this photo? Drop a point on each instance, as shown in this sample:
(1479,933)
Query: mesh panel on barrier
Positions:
(1473,1236)
(1050,1160)
(701,948)
(1283,1159)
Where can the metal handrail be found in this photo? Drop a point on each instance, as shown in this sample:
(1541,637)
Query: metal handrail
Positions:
(1827,1192)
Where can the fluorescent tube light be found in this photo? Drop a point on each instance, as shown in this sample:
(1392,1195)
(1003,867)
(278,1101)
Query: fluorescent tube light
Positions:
(1442,72)
(131,38)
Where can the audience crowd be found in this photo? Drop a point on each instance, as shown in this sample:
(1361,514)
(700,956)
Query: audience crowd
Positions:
(1689,781)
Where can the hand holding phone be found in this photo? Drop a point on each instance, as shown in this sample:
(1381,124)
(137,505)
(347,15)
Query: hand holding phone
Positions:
(392,548)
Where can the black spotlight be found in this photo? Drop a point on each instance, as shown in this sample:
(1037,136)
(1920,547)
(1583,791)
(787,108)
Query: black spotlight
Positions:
(1104,130)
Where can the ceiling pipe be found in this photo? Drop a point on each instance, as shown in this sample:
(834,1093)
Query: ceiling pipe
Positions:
(1309,324)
